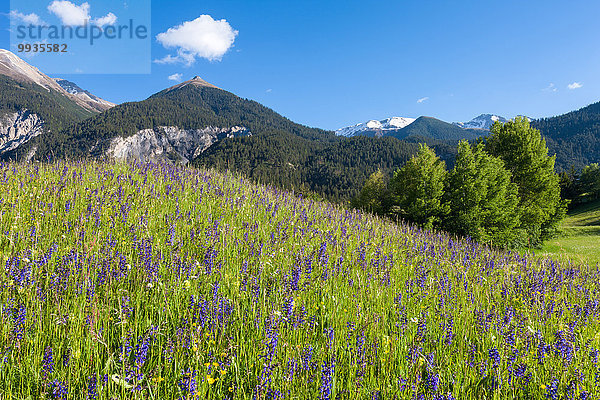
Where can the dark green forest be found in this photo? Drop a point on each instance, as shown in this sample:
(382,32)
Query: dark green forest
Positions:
(332,170)
(574,137)
(581,187)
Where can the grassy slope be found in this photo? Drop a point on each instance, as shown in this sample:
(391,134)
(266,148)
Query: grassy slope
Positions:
(156,282)
(581,238)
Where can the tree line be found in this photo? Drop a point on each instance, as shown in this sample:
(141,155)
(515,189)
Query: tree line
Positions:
(503,191)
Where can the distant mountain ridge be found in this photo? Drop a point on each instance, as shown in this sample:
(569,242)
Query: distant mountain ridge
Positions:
(432,128)
(483,121)
(17,69)
(404,128)
(398,127)
(90,99)
(185,108)
(374,127)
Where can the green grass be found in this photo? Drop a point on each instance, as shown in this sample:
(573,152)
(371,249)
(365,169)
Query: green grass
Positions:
(580,238)
(162,282)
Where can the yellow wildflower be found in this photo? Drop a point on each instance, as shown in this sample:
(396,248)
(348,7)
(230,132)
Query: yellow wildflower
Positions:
(210,379)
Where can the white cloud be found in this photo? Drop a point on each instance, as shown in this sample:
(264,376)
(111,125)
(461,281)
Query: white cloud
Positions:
(32,19)
(181,57)
(574,85)
(168,59)
(203,37)
(551,88)
(108,19)
(269,90)
(422,100)
(69,13)
(175,77)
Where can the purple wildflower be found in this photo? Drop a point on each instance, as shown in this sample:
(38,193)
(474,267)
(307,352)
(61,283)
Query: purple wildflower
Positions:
(47,362)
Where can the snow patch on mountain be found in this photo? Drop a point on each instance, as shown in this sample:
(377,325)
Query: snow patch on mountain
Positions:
(383,125)
(483,121)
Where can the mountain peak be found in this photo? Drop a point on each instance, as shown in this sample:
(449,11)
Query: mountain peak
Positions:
(373,126)
(483,121)
(195,81)
(14,67)
(73,89)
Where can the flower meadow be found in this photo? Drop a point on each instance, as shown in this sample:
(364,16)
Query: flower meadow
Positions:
(146,281)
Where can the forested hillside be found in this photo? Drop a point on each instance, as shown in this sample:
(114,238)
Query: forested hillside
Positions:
(56,110)
(279,151)
(432,128)
(190,107)
(333,170)
(574,137)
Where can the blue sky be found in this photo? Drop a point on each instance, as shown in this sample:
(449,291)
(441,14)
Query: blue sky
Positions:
(335,63)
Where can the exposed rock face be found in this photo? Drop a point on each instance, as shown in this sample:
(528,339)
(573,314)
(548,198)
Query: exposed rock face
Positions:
(17,128)
(169,143)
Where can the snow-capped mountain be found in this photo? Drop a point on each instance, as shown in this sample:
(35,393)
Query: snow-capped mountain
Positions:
(374,127)
(89,98)
(484,121)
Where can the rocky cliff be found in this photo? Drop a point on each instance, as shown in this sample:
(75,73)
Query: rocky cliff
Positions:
(169,143)
(17,128)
